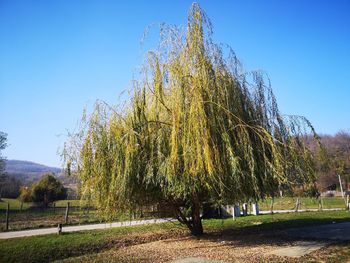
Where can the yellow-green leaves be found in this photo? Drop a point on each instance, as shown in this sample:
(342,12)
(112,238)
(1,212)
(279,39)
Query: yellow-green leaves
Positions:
(196,127)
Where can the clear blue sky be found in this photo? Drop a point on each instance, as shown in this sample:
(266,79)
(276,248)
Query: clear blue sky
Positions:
(57,57)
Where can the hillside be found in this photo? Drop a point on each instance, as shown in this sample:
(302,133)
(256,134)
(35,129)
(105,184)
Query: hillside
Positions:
(29,172)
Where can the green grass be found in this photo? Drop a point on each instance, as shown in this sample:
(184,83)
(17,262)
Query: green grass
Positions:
(278,221)
(63,203)
(287,203)
(38,217)
(15,204)
(54,247)
(279,203)
(32,216)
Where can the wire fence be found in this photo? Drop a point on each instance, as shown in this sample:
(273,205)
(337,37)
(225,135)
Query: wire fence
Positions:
(24,216)
(20,216)
(302,203)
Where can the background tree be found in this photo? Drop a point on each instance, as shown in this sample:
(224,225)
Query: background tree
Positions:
(198,129)
(10,187)
(332,159)
(25,194)
(3,145)
(47,190)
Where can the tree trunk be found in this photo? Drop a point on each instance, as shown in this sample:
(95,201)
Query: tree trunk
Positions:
(194,223)
(196,226)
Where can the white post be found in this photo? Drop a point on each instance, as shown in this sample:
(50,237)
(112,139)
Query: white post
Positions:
(320,203)
(297,205)
(341,186)
(272,203)
(255,209)
(245,209)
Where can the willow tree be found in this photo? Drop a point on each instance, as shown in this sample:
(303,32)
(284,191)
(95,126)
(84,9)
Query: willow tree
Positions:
(197,129)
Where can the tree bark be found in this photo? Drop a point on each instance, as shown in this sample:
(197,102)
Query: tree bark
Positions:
(194,223)
(196,226)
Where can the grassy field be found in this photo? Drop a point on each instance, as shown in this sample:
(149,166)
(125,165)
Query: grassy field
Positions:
(283,203)
(36,217)
(288,203)
(15,204)
(63,203)
(54,247)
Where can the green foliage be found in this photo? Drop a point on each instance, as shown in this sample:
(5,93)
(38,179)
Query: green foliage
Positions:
(10,186)
(332,159)
(198,129)
(47,190)
(25,195)
(3,145)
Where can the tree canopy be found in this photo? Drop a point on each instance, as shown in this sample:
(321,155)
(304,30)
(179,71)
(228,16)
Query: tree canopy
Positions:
(332,159)
(198,129)
(45,191)
(3,145)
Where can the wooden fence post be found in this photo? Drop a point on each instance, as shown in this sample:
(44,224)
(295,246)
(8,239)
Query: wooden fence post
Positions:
(320,204)
(67,213)
(59,229)
(272,203)
(7,216)
(297,205)
(347,202)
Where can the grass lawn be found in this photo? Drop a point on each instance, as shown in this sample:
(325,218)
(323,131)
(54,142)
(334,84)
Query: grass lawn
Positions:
(15,204)
(279,203)
(54,247)
(288,203)
(32,216)
(63,203)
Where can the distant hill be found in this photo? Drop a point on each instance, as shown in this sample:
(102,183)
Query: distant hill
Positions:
(29,172)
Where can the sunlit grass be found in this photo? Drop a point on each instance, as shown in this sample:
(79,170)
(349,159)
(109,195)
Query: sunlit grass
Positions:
(54,247)
(287,203)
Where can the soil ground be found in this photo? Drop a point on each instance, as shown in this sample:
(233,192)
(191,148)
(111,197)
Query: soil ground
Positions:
(227,246)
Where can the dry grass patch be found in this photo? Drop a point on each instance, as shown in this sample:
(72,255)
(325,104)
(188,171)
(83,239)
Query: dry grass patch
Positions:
(226,247)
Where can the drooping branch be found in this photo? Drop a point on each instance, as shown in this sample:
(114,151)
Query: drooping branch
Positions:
(197,129)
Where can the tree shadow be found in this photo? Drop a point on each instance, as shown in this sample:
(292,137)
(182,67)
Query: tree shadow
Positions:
(271,233)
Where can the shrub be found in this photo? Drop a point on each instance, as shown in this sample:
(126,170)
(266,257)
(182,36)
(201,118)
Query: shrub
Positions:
(25,195)
(47,190)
